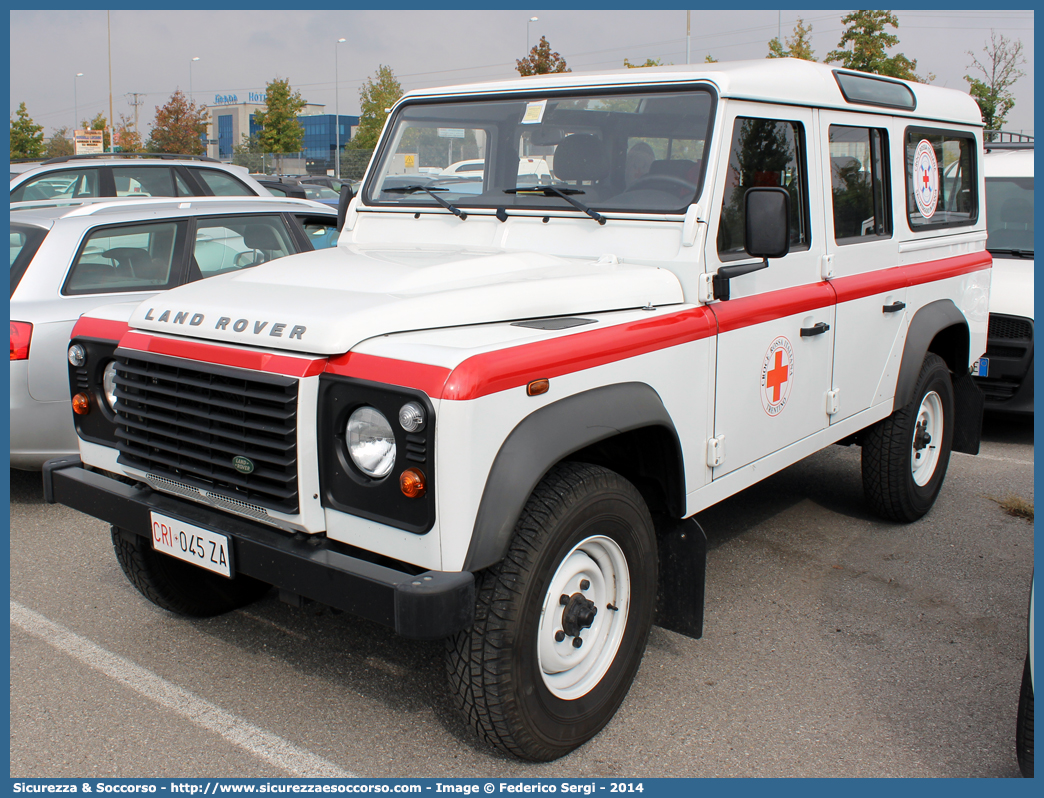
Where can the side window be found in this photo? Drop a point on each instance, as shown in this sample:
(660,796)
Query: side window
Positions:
(222,184)
(137,257)
(60,184)
(134,181)
(765,152)
(860,193)
(228,243)
(320,231)
(941,182)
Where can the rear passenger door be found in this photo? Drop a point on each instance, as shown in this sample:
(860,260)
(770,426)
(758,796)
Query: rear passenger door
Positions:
(862,260)
(776,332)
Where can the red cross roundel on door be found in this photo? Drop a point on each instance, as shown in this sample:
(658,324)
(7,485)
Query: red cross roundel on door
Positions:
(777,376)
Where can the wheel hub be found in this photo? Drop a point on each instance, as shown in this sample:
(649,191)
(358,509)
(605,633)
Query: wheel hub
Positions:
(579,614)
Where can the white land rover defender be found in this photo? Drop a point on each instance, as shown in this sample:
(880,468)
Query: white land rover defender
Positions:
(490,413)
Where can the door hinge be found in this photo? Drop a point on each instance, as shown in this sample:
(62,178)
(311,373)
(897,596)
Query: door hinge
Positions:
(833,404)
(826,267)
(706,289)
(716,451)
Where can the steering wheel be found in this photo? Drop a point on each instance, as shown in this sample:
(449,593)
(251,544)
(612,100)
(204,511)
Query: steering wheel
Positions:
(124,257)
(671,179)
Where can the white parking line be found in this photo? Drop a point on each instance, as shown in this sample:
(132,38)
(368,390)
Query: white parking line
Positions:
(262,744)
(998,459)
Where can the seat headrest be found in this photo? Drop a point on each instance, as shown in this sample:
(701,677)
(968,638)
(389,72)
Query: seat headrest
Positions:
(581,156)
(261,236)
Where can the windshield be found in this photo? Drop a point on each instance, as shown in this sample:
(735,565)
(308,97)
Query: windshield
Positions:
(1009,214)
(25,240)
(614,152)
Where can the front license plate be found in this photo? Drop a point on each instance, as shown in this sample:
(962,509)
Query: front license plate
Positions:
(983,369)
(192,544)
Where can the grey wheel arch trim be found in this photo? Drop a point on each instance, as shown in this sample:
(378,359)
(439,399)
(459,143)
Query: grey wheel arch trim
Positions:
(544,438)
(926,323)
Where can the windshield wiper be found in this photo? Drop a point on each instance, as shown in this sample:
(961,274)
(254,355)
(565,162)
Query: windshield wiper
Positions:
(414,189)
(563,193)
(1018,253)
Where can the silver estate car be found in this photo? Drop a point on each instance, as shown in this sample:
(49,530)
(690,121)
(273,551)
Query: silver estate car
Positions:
(69,259)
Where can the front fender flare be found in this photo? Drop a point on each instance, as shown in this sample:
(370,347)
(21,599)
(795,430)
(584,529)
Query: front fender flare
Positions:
(544,438)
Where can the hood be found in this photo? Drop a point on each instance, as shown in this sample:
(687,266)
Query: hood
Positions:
(326,302)
(1011,286)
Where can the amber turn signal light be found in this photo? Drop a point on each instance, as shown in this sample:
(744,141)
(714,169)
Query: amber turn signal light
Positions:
(411,481)
(81,404)
(537,387)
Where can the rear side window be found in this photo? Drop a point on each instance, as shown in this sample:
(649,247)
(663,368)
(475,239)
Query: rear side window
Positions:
(59,184)
(230,243)
(137,181)
(859,188)
(320,231)
(25,240)
(1009,220)
(765,152)
(941,180)
(223,184)
(138,257)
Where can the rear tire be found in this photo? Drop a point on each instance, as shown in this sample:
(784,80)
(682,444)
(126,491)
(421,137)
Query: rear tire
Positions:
(180,586)
(905,455)
(581,567)
(1024,728)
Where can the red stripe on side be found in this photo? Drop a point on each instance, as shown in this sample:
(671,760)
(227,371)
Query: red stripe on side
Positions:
(419,376)
(105,329)
(224,356)
(748,311)
(863,285)
(492,372)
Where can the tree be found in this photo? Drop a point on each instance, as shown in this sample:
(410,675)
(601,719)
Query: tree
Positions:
(127,138)
(98,123)
(280,131)
(376,96)
(869,42)
(179,127)
(800,46)
(60,144)
(248,153)
(710,59)
(649,62)
(1004,57)
(26,135)
(541,61)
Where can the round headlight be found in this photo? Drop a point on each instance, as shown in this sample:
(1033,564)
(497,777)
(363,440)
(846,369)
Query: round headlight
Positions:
(77,355)
(371,442)
(109,384)
(411,417)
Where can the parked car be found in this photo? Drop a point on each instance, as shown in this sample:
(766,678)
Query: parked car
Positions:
(69,260)
(284,188)
(132,175)
(1005,372)
(325,180)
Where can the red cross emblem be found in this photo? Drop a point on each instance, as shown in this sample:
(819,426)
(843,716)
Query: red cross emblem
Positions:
(777,376)
(924,177)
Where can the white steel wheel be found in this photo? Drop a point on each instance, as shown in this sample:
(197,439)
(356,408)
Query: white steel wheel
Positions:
(583,617)
(928,432)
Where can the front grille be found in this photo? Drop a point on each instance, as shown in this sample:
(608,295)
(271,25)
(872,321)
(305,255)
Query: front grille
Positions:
(190,422)
(1009,327)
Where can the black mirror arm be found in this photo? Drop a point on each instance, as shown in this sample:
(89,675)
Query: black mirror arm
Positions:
(726,273)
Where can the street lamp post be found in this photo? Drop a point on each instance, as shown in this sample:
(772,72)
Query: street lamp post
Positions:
(76,105)
(531,21)
(190,78)
(337,117)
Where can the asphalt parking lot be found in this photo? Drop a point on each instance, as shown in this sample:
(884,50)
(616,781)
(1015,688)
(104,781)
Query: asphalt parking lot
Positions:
(835,645)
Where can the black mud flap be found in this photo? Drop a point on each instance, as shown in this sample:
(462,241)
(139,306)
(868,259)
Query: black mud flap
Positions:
(968,403)
(683,571)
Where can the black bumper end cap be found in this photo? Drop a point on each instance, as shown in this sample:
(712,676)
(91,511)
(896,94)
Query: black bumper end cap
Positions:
(434,604)
(56,464)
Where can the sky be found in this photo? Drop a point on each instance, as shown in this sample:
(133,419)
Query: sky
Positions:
(239,51)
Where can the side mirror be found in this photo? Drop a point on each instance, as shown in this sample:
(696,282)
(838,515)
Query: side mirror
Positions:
(342,204)
(766,222)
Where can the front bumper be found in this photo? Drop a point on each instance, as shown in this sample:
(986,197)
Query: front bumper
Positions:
(423,606)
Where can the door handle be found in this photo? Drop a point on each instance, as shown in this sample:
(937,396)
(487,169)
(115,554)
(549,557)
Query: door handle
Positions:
(819,328)
(895,306)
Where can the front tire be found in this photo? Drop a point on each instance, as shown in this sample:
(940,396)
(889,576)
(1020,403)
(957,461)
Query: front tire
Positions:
(178,586)
(1024,728)
(905,456)
(562,622)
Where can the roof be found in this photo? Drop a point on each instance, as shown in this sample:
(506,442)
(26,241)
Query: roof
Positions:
(44,213)
(790,81)
(1008,163)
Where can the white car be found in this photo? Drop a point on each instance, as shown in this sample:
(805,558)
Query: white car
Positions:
(132,175)
(66,261)
(1005,372)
